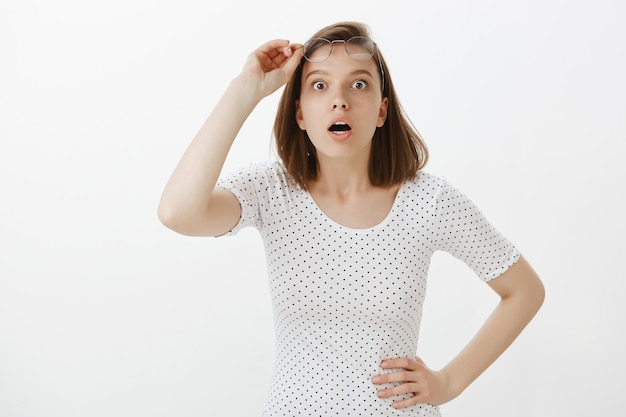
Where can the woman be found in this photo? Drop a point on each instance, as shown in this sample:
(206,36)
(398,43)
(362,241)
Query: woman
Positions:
(350,222)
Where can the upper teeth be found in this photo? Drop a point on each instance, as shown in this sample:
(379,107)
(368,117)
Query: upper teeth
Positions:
(339,126)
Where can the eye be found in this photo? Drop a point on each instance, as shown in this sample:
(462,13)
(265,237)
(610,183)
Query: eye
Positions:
(359,84)
(318,85)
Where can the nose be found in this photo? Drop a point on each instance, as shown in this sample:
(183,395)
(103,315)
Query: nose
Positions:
(339,102)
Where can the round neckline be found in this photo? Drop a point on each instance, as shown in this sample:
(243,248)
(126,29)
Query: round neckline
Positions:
(375,227)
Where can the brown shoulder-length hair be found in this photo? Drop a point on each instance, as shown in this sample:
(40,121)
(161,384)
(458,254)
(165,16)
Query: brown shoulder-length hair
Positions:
(398,151)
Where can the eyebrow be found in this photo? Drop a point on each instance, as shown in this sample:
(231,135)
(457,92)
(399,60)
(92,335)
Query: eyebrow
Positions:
(322,72)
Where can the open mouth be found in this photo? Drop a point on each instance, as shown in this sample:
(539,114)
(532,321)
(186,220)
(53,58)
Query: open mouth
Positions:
(339,127)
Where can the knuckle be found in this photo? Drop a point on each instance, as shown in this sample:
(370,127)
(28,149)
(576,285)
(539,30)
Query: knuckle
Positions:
(420,371)
(406,403)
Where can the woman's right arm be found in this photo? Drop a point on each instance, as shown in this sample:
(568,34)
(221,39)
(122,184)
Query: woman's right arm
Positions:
(191,204)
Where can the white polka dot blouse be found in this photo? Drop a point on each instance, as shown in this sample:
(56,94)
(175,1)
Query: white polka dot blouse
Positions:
(345,299)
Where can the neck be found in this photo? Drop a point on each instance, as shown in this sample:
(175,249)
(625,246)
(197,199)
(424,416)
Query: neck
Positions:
(342,176)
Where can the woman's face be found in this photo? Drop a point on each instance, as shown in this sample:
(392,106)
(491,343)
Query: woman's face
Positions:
(341,104)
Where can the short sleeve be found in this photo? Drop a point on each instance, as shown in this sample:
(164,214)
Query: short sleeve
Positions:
(465,233)
(244,184)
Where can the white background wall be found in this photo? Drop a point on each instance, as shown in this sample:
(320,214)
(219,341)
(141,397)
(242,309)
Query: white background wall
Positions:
(104,312)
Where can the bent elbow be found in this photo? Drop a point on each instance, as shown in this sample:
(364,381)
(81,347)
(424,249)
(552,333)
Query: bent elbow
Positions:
(540,294)
(167,216)
(534,295)
(186,222)
(174,216)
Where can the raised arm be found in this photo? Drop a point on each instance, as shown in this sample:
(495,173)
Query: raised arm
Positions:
(191,204)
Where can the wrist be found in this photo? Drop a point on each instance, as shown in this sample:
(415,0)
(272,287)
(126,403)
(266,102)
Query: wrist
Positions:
(247,90)
(455,385)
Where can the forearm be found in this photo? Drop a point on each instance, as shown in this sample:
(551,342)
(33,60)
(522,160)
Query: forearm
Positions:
(192,182)
(495,336)
(506,322)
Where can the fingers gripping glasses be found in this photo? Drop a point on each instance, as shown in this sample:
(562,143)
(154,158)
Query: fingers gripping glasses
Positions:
(359,48)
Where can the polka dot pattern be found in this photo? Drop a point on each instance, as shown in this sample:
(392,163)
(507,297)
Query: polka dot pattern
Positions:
(345,299)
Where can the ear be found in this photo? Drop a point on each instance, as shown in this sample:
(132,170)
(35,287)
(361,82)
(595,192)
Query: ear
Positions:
(299,118)
(382,112)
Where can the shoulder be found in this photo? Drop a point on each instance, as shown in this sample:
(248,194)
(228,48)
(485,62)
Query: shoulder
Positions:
(262,168)
(431,189)
(259,175)
(426,182)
